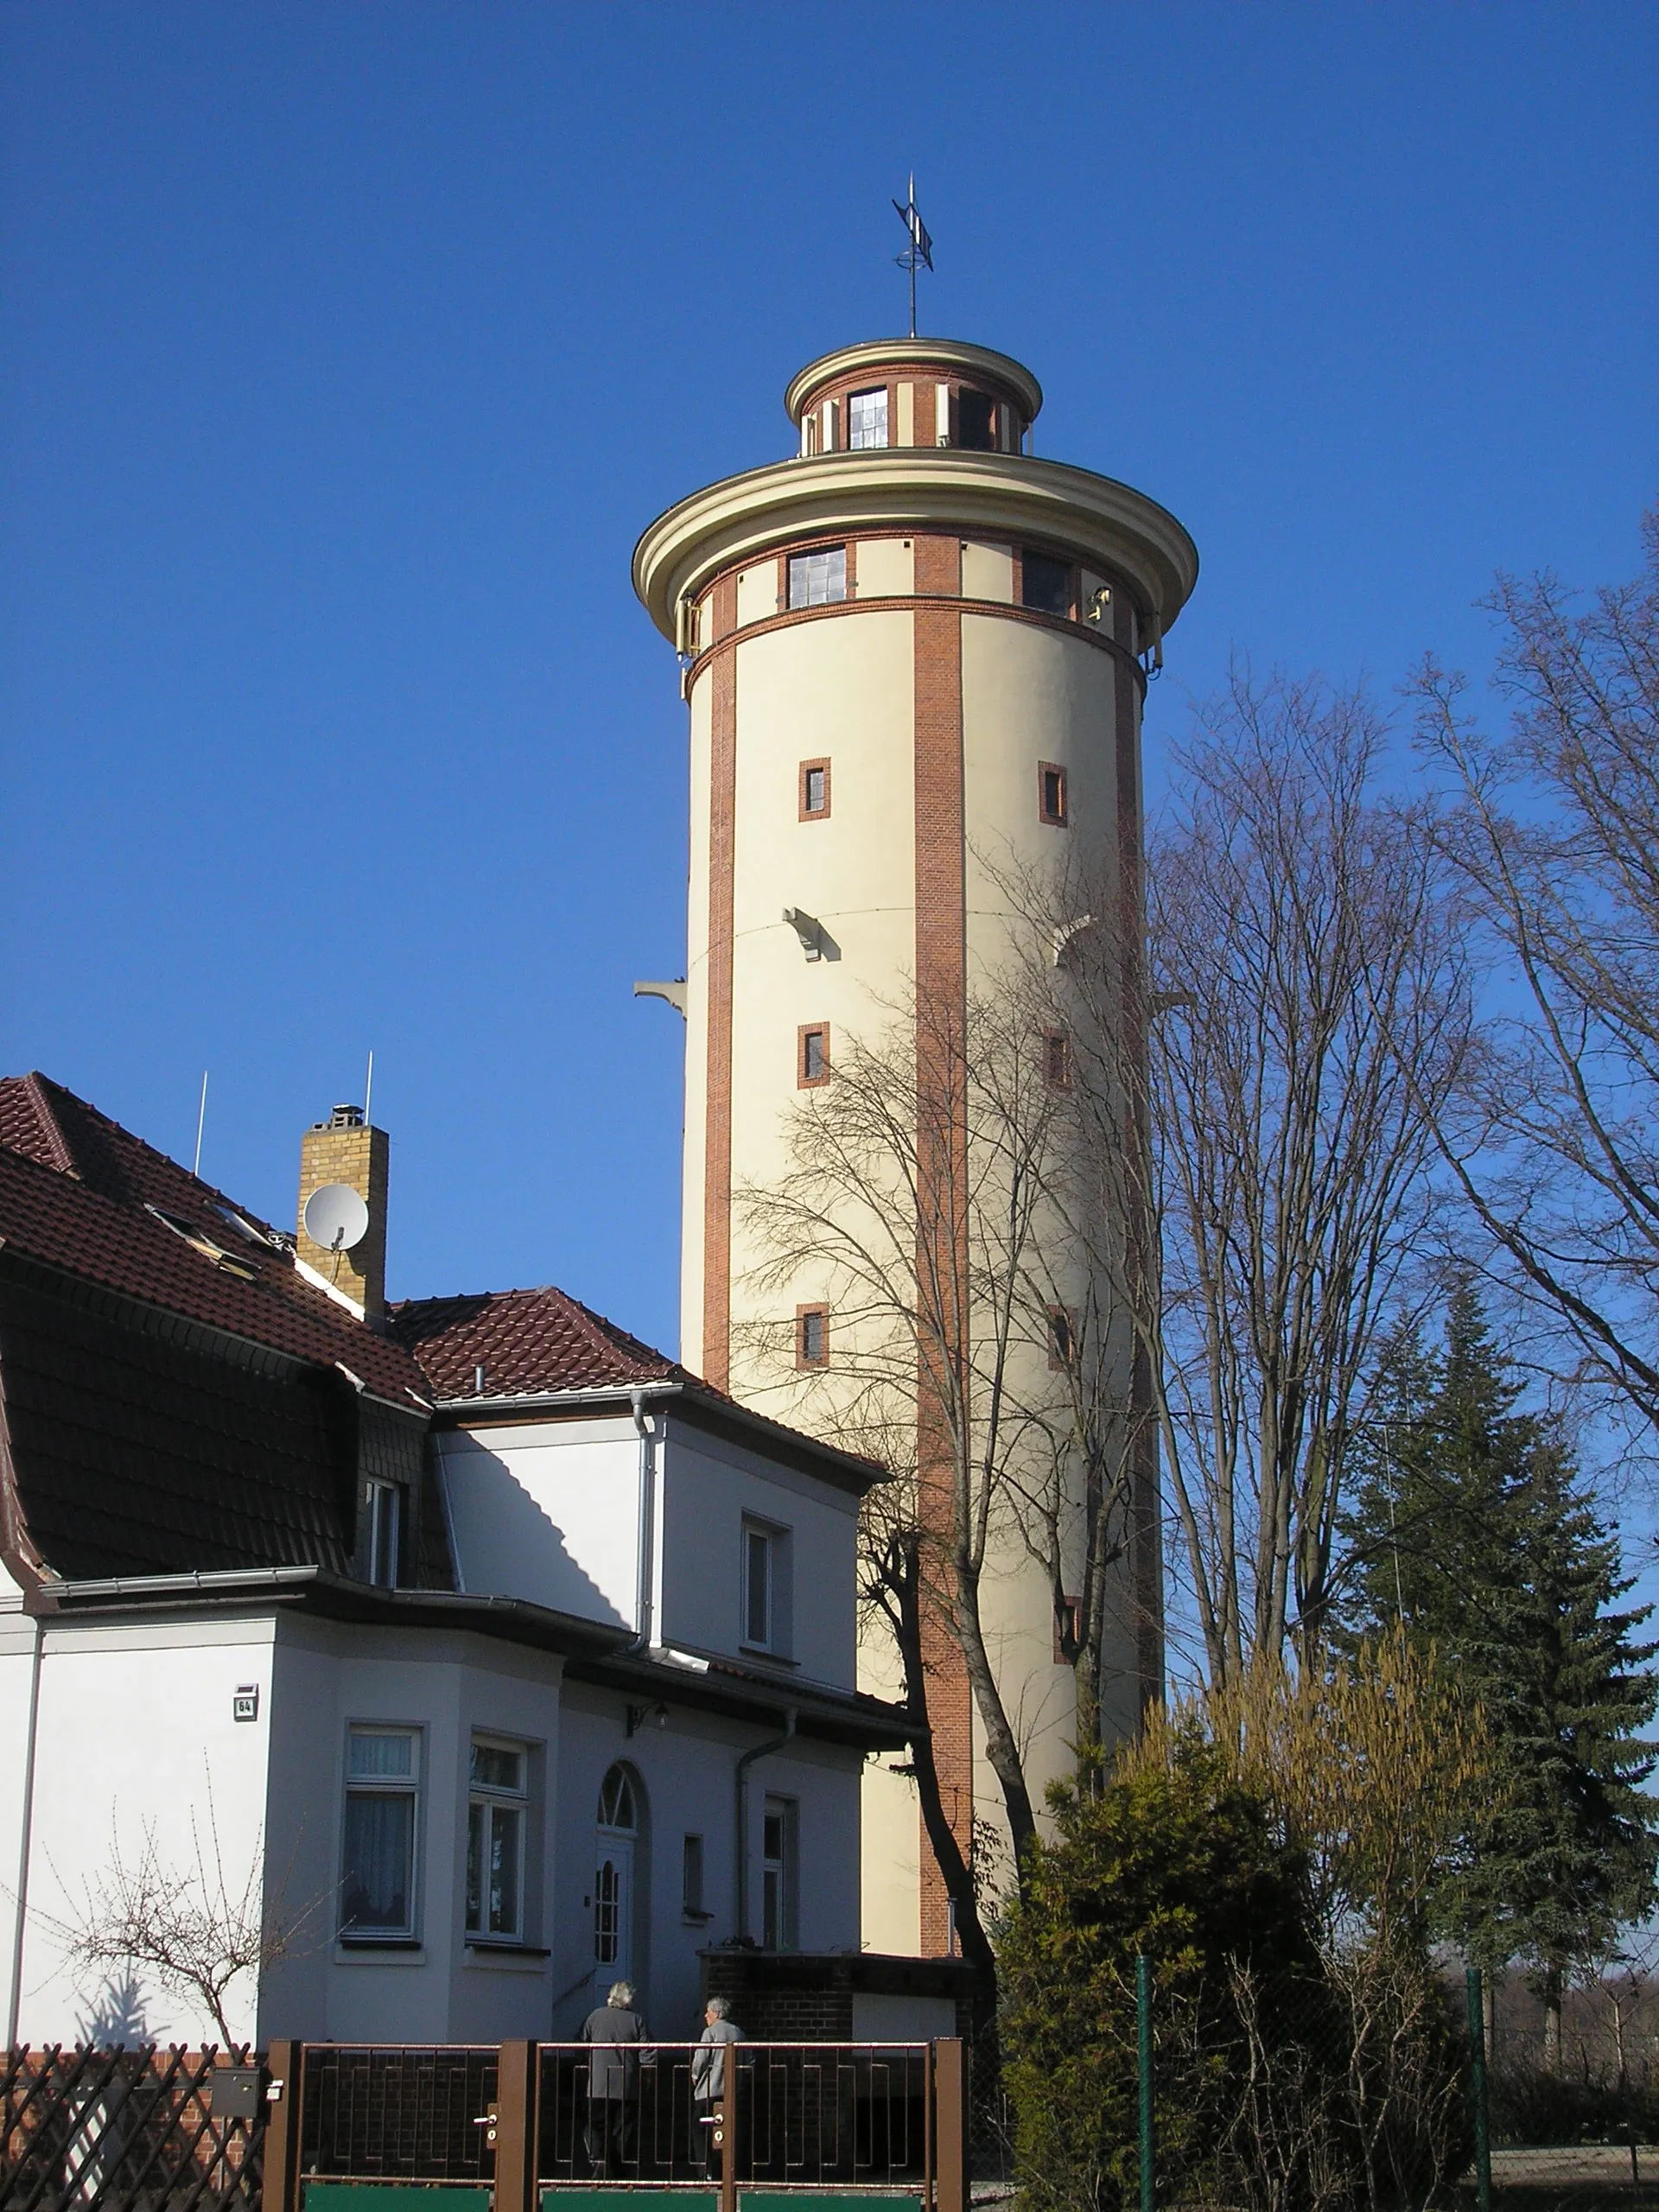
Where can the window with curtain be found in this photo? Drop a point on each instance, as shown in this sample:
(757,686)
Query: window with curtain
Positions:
(377,1855)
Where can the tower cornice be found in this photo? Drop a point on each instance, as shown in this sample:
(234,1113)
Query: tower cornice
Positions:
(920,490)
(953,355)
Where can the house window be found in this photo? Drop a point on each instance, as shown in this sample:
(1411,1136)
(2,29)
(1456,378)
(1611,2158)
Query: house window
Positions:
(1045,583)
(1057,1059)
(812,1055)
(377,1884)
(811,1336)
(1062,1335)
(757,1585)
(819,578)
(867,420)
(778,1875)
(815,790)
(386,1529)
(976,422)
(495,1838)
(691,1902)
(1051,794)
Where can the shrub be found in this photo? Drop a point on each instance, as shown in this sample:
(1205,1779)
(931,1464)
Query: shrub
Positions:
(1176,1860)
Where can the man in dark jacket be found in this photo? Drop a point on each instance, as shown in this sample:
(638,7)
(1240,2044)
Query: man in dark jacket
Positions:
(615,2031)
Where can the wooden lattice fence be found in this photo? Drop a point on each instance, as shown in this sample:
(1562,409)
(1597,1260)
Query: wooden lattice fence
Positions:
(144,2130)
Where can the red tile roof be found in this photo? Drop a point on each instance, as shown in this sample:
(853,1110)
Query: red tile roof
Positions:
(526,1341)
(75,1192)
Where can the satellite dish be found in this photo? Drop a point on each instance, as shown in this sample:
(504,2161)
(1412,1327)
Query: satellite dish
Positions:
(336,1217)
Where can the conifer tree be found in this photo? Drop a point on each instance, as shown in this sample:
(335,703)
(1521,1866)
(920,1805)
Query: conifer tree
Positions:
(1474,1526)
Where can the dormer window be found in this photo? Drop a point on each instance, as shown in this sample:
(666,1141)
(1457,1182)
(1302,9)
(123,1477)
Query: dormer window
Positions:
(818,578)
(867,421)
(976,422)
(385,1533)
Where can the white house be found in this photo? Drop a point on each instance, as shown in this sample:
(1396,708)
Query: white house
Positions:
(498,1654)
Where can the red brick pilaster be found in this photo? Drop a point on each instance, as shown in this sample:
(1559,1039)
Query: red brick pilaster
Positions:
(941,1006)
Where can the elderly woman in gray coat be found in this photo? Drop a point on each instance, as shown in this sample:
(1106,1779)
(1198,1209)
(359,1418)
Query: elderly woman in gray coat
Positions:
(615,2030)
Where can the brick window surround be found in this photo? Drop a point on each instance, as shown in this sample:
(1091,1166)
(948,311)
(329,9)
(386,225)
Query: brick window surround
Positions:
(811,1055)
(815,784)
(1057,1059)
(1052,796)
(811,1336)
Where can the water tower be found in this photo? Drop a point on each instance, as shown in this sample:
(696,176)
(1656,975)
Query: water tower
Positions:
(911,645)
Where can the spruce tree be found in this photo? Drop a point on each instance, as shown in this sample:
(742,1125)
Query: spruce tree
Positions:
(1473,1526)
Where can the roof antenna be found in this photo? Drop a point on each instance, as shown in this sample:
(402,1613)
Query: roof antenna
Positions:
(201,1116)
(921,249)
(368,1091)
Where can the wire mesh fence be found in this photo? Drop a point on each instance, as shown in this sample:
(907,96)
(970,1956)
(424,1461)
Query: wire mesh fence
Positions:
(90,2130)
(1356,2085)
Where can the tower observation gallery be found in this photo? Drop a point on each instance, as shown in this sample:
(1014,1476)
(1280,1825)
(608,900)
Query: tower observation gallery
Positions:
(915,656)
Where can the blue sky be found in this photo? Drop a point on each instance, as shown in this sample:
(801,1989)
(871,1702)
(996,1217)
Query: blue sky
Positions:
(348,347)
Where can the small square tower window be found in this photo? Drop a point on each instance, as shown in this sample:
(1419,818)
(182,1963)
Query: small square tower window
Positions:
(818,578)
(1062,1336)
(1045,583)
(1051,794)
(815,790)
(811,1336)
(812,1055)
(867,420)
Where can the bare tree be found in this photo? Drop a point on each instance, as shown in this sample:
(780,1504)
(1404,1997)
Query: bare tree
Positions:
(1553,829)
(973,1355)
(1274,1176)
(197,1928)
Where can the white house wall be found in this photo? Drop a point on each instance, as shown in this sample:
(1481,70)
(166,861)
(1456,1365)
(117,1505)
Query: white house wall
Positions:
(686,1771)
(710,1484)
(136,1740)
(447,1685)
(547,1511)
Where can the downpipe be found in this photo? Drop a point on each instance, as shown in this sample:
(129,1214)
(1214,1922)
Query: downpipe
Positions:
(645,1567)
(747,1759)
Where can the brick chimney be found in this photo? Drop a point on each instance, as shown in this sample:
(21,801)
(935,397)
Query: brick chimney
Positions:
(345,1149)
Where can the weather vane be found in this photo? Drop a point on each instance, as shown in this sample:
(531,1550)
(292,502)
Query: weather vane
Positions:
(919,252)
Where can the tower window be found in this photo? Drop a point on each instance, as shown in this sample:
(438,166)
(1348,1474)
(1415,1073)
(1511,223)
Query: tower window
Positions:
(1045,583)
(1051,794)
(1057,1059)
(819,578)
(867,420)
(812,1055)
(976,422)
(1062,1336)
(811,1336)
(815,790)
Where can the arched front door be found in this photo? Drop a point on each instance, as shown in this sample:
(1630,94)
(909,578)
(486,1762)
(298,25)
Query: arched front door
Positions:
(618,1837)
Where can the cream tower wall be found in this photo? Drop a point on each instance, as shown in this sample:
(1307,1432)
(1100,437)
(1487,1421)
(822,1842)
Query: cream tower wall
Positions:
(933,555)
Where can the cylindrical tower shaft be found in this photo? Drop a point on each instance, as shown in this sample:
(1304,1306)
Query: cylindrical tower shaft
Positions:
(915,656)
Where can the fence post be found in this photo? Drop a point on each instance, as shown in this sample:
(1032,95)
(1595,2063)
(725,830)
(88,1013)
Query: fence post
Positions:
(725,2132)
(950,2124)
(514,2127)
(280,2169)
(1143,2067)
(1477,2091)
